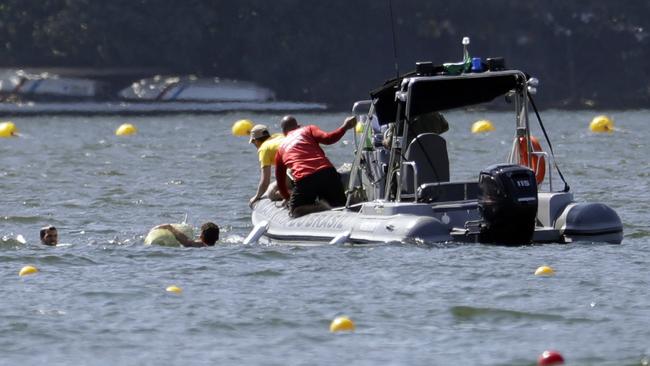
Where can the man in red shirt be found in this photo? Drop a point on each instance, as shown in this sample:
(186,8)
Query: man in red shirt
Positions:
(314,175)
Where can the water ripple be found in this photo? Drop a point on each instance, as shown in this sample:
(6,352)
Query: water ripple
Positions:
(101,299)
(23,219)
(503,315)
(265,273)
(266,255)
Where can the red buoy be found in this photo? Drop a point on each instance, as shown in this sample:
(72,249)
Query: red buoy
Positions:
(548,358)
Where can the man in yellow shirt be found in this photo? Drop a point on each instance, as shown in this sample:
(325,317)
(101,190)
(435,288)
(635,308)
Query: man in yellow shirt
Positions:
(267,146)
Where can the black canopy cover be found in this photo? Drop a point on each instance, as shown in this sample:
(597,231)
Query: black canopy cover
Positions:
(438,93)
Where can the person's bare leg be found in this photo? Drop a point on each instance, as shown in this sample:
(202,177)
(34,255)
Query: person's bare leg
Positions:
(273,193)
(307,209)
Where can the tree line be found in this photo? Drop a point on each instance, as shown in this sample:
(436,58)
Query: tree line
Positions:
(591,53)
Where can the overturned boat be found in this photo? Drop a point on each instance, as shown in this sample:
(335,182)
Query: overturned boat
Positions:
(43,85)
(193,89)
(400,190)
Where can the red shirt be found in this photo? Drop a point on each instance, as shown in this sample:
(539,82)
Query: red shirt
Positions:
(300,151)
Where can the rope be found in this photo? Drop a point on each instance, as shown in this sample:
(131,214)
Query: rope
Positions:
(532,102)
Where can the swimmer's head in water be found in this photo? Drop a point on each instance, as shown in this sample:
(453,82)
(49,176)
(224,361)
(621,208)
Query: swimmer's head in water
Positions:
(209,233)
(49,235)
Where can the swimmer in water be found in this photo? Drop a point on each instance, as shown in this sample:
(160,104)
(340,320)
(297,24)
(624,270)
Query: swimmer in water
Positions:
(49,236)
(209,235)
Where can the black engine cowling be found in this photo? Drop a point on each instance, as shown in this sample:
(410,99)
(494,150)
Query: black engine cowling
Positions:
(507,201)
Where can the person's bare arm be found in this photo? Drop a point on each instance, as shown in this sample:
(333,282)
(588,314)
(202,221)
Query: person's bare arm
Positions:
(281,176)
(265,180)
(182,238)
(329,138)
(193,244)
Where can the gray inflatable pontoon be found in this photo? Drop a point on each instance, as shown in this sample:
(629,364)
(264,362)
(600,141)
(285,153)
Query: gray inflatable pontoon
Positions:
(385,222)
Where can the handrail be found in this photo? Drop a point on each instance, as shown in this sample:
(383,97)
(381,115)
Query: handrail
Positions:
(547,158)
(355,170)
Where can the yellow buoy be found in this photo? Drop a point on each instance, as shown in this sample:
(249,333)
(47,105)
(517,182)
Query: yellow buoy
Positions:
(342,324)
(359,127)
(544,271)
(126,129)
(28,270)
(8,129)
(174,289)
(601,124)
(242,127)
(482,126)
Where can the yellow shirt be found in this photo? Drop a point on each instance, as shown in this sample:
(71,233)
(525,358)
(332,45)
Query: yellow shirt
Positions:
(267,150)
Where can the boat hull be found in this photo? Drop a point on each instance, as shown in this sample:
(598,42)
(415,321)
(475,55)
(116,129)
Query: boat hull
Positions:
(347,226)
(386,222)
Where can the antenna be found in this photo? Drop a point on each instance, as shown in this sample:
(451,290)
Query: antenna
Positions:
(392,27)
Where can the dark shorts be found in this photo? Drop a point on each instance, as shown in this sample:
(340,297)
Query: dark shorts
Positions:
(325,185)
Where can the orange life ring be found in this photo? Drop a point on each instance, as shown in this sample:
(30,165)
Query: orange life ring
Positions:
(538,162)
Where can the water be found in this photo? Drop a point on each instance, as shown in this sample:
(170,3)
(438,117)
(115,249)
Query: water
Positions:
(100,299)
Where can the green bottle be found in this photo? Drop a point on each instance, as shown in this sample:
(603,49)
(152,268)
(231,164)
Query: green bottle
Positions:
(458,68)
(367,145)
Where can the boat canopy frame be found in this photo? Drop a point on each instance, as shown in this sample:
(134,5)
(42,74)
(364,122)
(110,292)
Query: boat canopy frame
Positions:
(401,100)
(419,95)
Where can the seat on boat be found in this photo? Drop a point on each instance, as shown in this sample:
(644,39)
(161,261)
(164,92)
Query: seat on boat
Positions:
(448,192)
(428,151)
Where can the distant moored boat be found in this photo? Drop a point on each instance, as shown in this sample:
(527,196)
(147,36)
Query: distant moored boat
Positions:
(194,89)
(21,83)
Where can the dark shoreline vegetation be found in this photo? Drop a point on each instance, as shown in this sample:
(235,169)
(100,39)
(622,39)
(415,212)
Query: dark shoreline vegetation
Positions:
(587,54)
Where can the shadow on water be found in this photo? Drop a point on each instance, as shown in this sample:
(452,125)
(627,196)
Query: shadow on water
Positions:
(23,219)
(265,255)
(470,313)
(65,259)
(265,273)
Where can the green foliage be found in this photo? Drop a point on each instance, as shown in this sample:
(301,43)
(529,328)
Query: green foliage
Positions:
(583,52)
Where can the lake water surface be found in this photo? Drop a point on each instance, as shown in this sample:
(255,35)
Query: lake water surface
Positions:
(100,299)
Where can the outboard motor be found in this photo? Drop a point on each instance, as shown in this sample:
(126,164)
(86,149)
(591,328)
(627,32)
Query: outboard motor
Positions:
(507,201)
